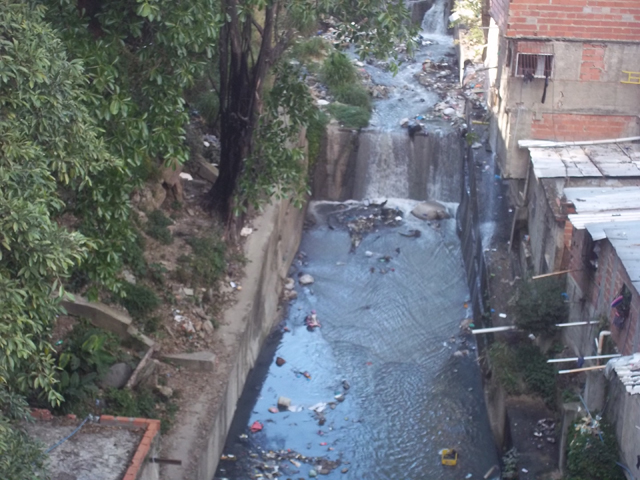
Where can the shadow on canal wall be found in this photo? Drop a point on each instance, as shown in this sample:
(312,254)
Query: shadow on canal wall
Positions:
(354,165)
(469,220)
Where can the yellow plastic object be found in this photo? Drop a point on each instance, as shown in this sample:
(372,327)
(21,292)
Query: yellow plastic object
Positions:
(449,457)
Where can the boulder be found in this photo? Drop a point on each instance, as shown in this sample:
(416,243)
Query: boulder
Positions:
(152,196)
(171,173)
(430,210)
(117,376)
(205,170)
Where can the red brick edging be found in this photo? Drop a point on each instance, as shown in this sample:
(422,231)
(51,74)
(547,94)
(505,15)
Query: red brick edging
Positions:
(152,428)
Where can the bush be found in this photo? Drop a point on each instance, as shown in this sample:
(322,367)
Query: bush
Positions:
(337,71)
(538,375)
(20,455)
(353,94)
(85,359)
(139,301)
(589,458)
(504,367)
(133,255)
(311,48)
(207,263)
(142,403)
(315,133)
(540,305)
(349,116)
(157,227)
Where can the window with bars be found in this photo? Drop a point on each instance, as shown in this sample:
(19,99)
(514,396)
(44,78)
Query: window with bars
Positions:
(534,65)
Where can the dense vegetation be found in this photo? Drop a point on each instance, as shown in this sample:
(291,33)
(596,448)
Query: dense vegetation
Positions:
(92,95)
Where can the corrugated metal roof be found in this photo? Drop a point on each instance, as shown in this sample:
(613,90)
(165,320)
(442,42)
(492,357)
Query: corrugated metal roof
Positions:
(628,371)
(614,160)
(625,238)
(603,199)
(595,223)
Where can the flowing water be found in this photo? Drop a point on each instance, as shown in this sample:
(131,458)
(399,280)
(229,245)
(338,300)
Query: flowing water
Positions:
(390,309)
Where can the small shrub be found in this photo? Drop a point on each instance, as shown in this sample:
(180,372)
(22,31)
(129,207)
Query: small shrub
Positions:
(133,255)
(590,458)
(208,262)
(353,94)
(139,301)
(156,273)
(141,403)
(208,105)
(349,116)
(337,70)
(504,367)
(540,305)
(538,375)
(88,354)
(315,133)
(157,227)
(311,48)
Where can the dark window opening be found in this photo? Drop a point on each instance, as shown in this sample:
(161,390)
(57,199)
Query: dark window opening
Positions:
(530,65)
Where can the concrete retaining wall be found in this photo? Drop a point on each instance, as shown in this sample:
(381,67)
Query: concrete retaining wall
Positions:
(200,437)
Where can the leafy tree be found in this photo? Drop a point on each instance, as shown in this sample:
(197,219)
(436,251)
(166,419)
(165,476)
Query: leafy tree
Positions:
(539,305)
(594,457)
(253,39)
(20,456)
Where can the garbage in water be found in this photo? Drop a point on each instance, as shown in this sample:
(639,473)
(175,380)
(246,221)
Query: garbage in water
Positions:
(284,402)
(273,409)
(449,456)
(312,321)
(256,427)
(318,407)
(502,315)
(246,231)
(305,279)
(280,361)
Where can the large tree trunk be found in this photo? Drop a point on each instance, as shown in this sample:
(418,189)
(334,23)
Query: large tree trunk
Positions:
(241,80)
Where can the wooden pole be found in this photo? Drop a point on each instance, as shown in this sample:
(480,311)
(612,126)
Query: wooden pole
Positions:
(584,369)
(134,377)
(552,274)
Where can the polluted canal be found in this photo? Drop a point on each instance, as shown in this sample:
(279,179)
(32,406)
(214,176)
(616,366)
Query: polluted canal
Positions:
(372,365)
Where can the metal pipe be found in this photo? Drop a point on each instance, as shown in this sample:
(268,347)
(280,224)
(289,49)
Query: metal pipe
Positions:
(584,369)
(603,333)
(575,359)
(493,329)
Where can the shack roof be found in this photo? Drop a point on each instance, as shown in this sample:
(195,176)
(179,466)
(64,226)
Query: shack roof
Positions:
(612,160)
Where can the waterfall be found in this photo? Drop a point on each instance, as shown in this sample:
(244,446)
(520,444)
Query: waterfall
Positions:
(434,20)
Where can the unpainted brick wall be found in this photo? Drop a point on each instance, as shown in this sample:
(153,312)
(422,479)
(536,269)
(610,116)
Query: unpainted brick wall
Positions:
(592,64)
(584,19)
(574,127)
(499,10)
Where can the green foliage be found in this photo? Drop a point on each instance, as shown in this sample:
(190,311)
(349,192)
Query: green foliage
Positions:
(338,71)
(133,255)
(55,172)
(540,305)
(522,368)
(349,116)
(87,355)
(504,367)
(140,301)
(353,94)
(539,376)
(589,458)
(276,166)
(469,14)
(157,227)
(142,403)
(207,263)
(313,47)
(21,457)
(315,133)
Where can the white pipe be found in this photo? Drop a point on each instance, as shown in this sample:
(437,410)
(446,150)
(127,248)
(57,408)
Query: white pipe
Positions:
(493,329)
(603,333)
(546,143)
(478,331)
(574,324)
(575,359)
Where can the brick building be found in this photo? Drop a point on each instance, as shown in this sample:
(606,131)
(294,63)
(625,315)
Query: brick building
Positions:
(561,70)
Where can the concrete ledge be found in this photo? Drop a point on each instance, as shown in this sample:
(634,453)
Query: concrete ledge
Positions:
(198,361)
(106,318)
